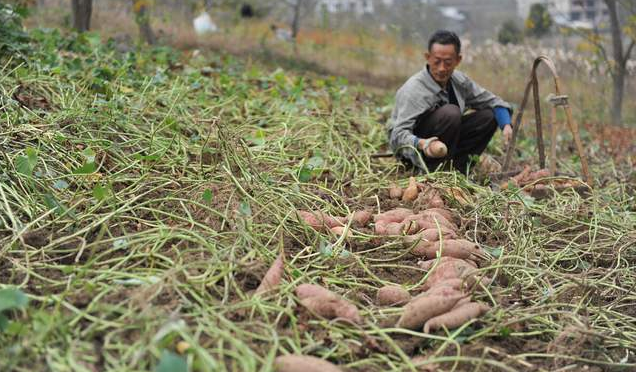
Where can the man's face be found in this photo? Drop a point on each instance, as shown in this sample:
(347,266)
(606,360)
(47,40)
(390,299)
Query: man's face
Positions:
(442,60)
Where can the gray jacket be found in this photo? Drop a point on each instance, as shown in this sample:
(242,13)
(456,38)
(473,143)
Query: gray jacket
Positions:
(420,94)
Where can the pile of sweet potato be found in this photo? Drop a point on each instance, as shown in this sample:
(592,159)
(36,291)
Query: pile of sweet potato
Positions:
(537,183)
(429,195)
(428,230)
(445,301)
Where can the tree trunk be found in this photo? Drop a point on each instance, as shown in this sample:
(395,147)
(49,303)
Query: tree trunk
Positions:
(618,70)
(142,17)
(295,25)
(82,10)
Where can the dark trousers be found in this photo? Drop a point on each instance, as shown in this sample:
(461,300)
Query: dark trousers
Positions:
(463,135)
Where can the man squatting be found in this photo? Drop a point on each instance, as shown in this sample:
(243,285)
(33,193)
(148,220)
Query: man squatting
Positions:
(428,127)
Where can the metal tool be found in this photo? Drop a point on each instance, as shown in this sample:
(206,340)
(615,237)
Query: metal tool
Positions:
(557,100)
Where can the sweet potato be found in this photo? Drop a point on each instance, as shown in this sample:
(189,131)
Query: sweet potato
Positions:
(324,307)
(340,230)
(461,302)
(428,264)
(442,290)
(437,149)
(435,200)
(434,213)
(537,175)
(347,310)
(394,228)
(395,191)
(312,290)
(431,235)
(394,215)
(452,217)
(432,219)
(447,260)
(456,284)
(272,277)
(303,363)
(391,295)
(311,220)
(451,268)
(361,218)
(410,193)
(380,227)
(329,220)
(430,196)
(326,304)
(456,317)
(458,248)
(421,309)
(330,307)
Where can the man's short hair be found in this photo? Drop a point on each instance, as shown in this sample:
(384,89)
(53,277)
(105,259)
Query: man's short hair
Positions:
(445,37)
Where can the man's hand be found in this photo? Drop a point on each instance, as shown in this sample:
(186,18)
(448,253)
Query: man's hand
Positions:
(507,135)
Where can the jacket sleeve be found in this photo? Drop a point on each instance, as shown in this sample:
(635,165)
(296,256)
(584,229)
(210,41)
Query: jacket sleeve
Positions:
(479,98)
(401,138)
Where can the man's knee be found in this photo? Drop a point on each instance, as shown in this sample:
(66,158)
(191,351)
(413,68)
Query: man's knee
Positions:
(450,115)
(486,118)
(449,112)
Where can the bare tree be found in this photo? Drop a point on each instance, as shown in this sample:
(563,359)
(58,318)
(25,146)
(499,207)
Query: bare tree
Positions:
(299,8)
(142,17)
(82,10)
(621,25)
(618,69)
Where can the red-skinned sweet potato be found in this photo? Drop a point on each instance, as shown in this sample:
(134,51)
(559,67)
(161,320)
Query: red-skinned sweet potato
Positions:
(303,363)
(457,248)
(311,290)
(361,218)
(273,276)
(324,303)
(451,268)
(394,215)
(456,317)
(395,191)
(421,309)
(392,295)
(410,193)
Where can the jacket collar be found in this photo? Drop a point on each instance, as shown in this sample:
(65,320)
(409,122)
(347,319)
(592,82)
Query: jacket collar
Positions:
(433,87)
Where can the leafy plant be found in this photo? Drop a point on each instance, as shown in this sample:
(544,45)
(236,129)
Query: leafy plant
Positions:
(10,299)
(14,41)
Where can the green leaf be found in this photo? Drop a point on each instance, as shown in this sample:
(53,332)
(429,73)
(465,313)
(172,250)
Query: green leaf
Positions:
(22,165)
(32,155)
(505,331)
(93,39)
(87,168)
(89,154)
(207,196)
(495,252)
(304,175)
(60,185)
(244,208)
(316,161)
(52,203)
(171,362)
(259,138)
(26,164)
(100,192)
(12,298)
(4,323)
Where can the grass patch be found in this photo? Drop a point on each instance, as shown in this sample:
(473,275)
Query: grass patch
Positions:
(144,194)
